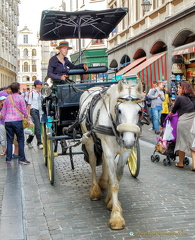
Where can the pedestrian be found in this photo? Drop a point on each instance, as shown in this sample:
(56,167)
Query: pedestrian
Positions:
(13,106)
(185,107)
(165,107)
(148,103)
(157,96)
(25,94)
(5,92)
(35,111)
(3,140)
(59,65)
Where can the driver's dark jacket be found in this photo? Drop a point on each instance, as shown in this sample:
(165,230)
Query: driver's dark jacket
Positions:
(56,69)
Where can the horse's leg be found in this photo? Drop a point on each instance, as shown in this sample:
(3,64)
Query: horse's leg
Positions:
(121,164)
(116,219)
(103,181)
(95,191)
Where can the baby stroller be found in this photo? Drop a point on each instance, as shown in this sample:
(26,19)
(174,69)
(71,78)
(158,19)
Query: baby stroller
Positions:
(166,142)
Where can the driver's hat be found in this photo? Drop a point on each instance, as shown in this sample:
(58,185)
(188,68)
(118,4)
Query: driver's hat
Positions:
(62,44)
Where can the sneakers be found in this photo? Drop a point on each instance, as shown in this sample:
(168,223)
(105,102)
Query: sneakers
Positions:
(150,129)
(25,162)
(29,145)
(14,156)
(40,146)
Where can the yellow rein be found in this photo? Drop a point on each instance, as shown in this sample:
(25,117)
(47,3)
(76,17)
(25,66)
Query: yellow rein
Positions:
(129,101)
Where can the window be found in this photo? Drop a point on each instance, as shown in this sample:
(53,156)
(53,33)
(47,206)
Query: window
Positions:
(34,78)
(25,38)
(25,67)
(25,78)
(25,52)
(97,41)
(34,67)
(34,52)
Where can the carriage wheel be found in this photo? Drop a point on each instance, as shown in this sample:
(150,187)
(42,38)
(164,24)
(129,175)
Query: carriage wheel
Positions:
(134,161)
(44,140)
(50,160)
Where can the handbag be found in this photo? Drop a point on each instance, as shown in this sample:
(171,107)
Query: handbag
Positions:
(25,122)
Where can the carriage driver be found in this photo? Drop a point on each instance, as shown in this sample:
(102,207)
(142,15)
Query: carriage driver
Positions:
(59,65)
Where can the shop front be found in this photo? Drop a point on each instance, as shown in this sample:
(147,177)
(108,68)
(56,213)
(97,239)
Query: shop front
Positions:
(183,67)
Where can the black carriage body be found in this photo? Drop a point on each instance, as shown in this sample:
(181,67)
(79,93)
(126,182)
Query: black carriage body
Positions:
(68,102)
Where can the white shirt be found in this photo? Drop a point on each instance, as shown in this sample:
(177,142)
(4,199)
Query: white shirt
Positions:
(35,100)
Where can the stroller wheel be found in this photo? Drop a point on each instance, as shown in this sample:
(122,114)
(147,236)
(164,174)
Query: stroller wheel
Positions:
(152,158)
(186,161)
(165,162)
(157,158)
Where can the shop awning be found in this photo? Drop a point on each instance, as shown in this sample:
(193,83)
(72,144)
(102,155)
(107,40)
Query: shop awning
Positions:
(120,73)
(153,69)
(185,49)
(131,66)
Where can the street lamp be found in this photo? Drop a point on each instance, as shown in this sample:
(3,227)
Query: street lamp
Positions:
(146,5)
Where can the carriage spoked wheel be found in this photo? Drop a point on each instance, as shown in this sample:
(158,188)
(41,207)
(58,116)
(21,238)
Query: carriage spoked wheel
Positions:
(50,159)
(134,161)
(44,140)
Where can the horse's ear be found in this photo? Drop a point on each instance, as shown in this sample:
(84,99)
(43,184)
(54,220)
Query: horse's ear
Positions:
(120,86)
(139,87)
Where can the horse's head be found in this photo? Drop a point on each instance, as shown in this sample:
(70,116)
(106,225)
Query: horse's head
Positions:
(128,110)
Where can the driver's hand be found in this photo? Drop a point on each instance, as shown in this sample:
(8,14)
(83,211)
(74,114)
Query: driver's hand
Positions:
(85,67)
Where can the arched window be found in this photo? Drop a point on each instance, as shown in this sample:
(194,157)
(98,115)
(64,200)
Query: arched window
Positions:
(34,78)
(34,67)
(34,52)
(25,52)
(25,78)
(25,67)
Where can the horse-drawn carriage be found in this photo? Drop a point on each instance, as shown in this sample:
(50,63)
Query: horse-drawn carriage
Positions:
(102,116)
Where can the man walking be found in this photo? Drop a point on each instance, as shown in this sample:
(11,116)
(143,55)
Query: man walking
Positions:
(157,96)
(35,110)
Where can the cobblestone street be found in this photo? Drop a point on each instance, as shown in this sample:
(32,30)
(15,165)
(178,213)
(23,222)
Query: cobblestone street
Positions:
(159,204)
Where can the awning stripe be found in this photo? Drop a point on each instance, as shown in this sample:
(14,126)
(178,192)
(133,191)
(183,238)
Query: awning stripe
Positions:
(131,66)
(153,69)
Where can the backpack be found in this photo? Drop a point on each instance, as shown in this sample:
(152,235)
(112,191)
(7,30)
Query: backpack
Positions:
(148,101)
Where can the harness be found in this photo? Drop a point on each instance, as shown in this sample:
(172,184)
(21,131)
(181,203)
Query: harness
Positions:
(93,128)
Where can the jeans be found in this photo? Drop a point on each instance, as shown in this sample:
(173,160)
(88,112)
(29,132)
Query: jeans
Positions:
(17,128)
(36,120)
(156,114)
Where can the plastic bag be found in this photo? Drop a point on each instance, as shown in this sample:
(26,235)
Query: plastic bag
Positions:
(168,135)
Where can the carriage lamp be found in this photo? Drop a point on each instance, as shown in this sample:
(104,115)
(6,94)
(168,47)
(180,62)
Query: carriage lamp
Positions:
(146,5)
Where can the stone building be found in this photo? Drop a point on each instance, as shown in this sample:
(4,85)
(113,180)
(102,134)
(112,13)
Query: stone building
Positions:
(8,41)
(158,42)
(29,58)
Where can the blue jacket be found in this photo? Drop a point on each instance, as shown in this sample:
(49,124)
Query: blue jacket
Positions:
(56,69)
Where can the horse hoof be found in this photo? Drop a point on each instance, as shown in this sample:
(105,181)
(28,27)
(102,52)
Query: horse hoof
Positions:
(118,226)
(95,193)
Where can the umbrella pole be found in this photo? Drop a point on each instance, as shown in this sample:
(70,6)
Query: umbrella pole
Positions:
(79,35)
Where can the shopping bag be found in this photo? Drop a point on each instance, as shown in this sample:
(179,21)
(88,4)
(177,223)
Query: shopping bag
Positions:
(168,135)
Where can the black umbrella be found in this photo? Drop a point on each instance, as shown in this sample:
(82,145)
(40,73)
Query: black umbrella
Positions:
(57,25)
(90,24)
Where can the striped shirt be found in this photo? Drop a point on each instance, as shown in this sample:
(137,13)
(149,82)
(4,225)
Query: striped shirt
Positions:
(10,113)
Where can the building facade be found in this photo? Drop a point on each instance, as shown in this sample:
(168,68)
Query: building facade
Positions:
(29,58)
(156,35)
(9,21)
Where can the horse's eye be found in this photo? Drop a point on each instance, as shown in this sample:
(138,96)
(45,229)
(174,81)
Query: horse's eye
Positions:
(119,111)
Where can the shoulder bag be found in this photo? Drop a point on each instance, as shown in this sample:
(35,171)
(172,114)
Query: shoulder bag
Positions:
(25,122)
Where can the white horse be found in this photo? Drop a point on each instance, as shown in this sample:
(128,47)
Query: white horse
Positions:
(110,116)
